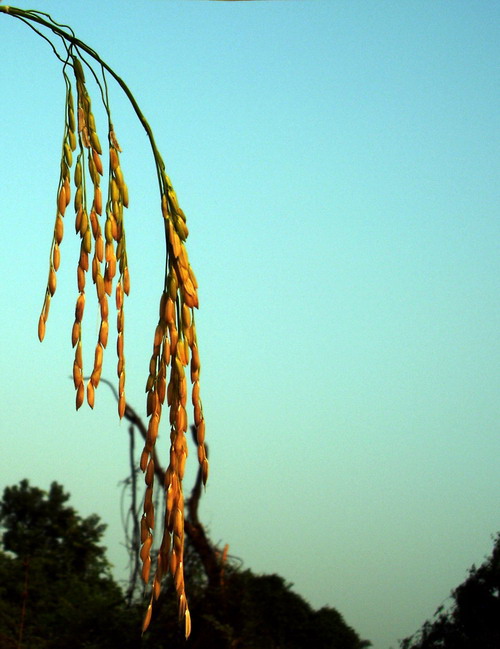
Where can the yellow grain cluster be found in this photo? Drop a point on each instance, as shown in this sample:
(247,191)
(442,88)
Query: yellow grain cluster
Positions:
(115,234)
(87,224)
(175,349)
(63,199)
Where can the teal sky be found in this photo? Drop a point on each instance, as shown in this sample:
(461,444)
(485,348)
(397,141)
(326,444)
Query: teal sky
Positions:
(338,163)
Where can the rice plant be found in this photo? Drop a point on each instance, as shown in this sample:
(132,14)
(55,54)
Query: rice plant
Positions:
(99,200)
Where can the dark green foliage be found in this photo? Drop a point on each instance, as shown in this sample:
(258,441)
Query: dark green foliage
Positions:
(256,612)
(56,592)
(473,621)
(40,524)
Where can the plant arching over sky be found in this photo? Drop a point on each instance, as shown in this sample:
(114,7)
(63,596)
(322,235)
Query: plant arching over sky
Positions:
(103,254)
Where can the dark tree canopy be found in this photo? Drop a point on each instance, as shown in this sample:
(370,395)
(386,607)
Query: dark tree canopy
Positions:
(473,620)
(57,592)
(36,523)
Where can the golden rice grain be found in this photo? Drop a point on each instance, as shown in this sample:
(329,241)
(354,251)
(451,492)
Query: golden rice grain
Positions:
(174,240)
(67,189)
(174,336)
(78,173)
(181,419)
(72,138)
(99,247)
(41,328)
(182,466)
(84,260)
(94,139)
(111,267)
(174,561)
(46,307)
(80,279)
(83,222)
(126,281)
(119,345)
(149,402)
(58,229)
(179,578)
(80,395)
(204,470)
(198,415)
(56,256)
(75,333)
(150,473)
(144,529)
(95,268)
(120,320)
(195,393)
(170,498)
(103,333)
(52,281)
(144,460)
(78,219)
(119,176)
(153,427)
(119,295)
(146,546)
(100,287)
(181,352)
(108,231)
(121,382)
(80,305)
(97,161)
(78,354)
(200,432)
(96,376)
(104,308)
(78,200)
(113,158)
(114,191)
(90,394)
(87,241)
(186,316)
(77,375)
(61,200)
(156,584)
(98,356)
(161,388)
(108,285)
(187,623)
(98,200)
(166,351)
(150,517)
(146,567)
(121,406)
(147,617)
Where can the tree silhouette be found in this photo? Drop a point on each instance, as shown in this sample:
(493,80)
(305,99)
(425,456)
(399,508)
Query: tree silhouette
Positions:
(100,224)
(57,592)
(473,620)
(56,588)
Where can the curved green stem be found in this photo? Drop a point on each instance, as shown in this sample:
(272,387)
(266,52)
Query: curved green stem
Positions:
(25,15)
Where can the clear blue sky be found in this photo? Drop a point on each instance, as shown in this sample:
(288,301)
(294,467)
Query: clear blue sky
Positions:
(339,164)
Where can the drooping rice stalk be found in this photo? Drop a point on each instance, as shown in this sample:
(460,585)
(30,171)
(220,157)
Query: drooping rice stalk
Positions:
(102,236)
